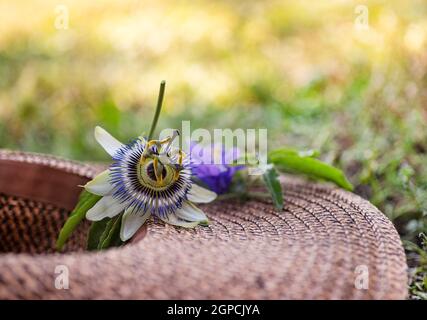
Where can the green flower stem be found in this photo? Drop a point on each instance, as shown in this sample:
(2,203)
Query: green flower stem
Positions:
(229,196)
(158,109)
(259,195)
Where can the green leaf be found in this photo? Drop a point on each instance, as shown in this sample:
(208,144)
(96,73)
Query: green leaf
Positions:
(111,235)
(86,201)
(95,232)
(274,187)
(312,167)
(105,232)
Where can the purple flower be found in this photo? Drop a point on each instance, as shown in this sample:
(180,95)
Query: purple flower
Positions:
(214,165)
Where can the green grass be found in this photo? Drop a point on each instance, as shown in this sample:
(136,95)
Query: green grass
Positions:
(297,68)
(417,257)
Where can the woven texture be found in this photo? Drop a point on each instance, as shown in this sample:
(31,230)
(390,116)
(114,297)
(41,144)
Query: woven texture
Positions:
(313,249)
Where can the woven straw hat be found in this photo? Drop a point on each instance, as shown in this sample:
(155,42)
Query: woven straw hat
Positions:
(326,244)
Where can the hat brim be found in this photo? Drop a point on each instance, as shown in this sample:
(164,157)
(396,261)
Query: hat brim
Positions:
(326,244)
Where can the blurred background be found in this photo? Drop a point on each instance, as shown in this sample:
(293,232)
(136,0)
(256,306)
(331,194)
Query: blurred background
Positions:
(345,77)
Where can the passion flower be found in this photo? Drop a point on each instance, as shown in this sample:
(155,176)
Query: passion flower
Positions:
(146,178)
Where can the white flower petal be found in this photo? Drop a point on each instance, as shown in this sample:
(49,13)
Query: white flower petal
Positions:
(107,141)
(198,194)
(106,207)
(174,220)
(100,185)
(132,220)
(190,212)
